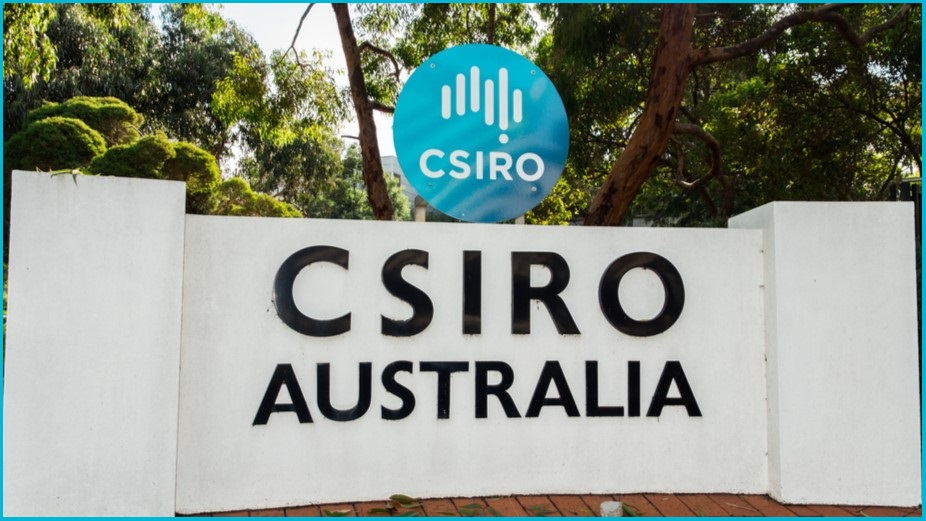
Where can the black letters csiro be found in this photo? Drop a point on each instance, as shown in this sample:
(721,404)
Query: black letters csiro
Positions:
(522,293)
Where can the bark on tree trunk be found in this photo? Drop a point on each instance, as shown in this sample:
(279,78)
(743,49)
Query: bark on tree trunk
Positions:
(490,26)
(373,176)
(671,66)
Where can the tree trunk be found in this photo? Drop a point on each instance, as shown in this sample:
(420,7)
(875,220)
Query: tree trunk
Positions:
(373,176)
(671,67)
(490,25)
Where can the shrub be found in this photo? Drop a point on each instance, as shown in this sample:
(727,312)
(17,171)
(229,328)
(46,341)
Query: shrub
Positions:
(55,143)
(144,158)
(200,171)
(235,197)
(117,122)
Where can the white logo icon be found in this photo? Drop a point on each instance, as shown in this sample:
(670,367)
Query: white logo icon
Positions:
(488,106)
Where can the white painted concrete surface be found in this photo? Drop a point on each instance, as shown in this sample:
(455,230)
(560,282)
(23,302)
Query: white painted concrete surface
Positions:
(103,271)
(92,346)
(233,340)
(840,308)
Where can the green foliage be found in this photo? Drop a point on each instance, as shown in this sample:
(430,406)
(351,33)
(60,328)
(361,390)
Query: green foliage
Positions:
(290,98)
(809,117)
(598,56)
(28,52)
(413,32)
(116,121)
(235,197)
(93,50)
(435,27)
(198,78)
(154,157)
(480,510)
(54,143)
(399,505)
(558,207)
(199,170)
(242,93)
(345,197)
(144,158)
(401,206)
(116,50)
(298,171)
(310,174)
(198,50)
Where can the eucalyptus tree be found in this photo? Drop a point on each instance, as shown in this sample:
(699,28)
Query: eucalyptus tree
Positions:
(702,111)
(196,77)
(198,50)
(53,52)
(168,74)
(346,196)
(395,38)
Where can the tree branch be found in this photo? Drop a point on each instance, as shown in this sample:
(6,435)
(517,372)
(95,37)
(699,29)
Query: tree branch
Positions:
(687,113)
(382,107)
(860,40)
(490,25)
(712,145)
(681,179)
(292,45)
(669,72)
(373,176)
(367,46)
(893,126)
(825,13)
(715,54)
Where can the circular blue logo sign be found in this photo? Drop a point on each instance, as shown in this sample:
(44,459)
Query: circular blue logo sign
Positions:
(481,133)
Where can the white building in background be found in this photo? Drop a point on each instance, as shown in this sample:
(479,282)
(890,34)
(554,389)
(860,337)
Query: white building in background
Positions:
(391,167)
(419,207)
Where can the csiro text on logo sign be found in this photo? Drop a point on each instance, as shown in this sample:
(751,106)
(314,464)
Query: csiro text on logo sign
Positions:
(481,133)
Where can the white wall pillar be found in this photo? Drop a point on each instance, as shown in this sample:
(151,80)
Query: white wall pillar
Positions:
(840,318)
(93,346)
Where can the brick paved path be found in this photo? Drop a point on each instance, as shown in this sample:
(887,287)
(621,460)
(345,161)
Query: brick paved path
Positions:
(647,505)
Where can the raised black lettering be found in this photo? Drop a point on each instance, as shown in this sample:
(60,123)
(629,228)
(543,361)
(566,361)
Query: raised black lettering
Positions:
(443,370)
(283,292)
(282,375)
(500,390)
(364,393)
(552,373)
(399,390)
(633,388)
(422,308)
(673,372)
(610,303)
(472,292)
(522,292)
(592,408)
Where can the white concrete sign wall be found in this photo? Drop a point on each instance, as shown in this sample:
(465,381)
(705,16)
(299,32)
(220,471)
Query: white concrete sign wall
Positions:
(234,341)
(840,323)
(92,346)
(322,361)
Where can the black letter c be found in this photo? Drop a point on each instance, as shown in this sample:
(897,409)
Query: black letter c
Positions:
(283,291)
